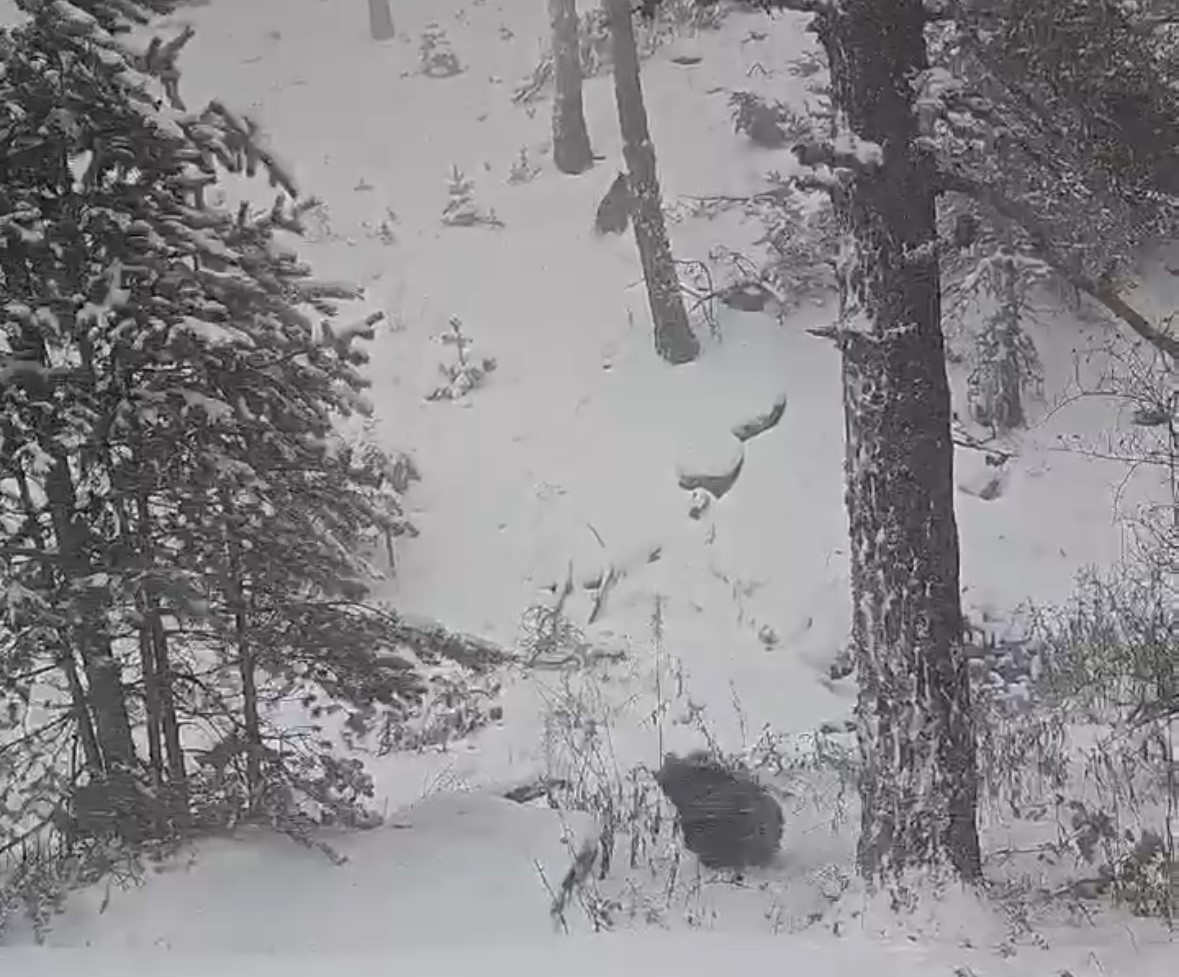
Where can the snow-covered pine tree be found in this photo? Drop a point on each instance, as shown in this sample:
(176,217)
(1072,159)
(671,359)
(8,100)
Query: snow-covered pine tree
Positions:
(1004,364)
(176,503)
(70,200)
(1058,121)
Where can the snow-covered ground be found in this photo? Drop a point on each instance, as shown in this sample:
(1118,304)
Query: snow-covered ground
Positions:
(622,955)
(567,461)
(453,885)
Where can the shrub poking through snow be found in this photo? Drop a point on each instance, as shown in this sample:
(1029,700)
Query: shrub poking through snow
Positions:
(461,209)
(771,125)
(523,170)
(1075,724)
(465,374)
(435,54)
(728,820)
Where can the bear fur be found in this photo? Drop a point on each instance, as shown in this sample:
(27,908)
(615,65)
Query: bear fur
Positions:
(728,820)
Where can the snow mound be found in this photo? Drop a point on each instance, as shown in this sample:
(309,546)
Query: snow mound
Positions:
(468,860)
(713,461)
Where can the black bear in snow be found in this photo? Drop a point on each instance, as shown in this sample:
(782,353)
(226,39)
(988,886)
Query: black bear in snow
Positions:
(728,819)
(614,210)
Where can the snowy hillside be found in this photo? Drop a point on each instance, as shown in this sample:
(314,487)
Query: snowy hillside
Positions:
(566,463)
(570,453)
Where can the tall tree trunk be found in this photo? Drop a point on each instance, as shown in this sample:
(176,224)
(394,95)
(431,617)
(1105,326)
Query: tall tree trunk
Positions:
(572,152)
(151,698)
(380,20)
(91,635)
(63,651)
(235,594)
(173,749)
(674,340)
(157,672)
(113,799)
(918,788)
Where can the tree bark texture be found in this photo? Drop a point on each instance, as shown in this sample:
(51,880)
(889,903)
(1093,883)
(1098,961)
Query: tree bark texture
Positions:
(91,634)
(918,785)
(380,20)
(572,152)
(674,339)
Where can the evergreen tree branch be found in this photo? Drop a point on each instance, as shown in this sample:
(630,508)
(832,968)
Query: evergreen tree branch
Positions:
(1042,246)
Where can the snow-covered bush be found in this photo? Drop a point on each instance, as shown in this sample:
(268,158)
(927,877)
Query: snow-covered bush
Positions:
(460,209)
(1075,733)
(465,373)
(436,56)
(772,125)
(522,170)
(795,260)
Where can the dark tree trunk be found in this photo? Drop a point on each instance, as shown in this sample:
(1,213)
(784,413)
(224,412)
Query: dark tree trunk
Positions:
(174,750)
(380,20)
(674,340)
(235,594)
(63,650)
(151,700)
(91,635)
(157,671)
(572,152)
(916,733)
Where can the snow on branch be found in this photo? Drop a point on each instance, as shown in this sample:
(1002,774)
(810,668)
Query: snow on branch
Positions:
(431,642)
(1042,245)
(246,148)
(159,61)
(799,6)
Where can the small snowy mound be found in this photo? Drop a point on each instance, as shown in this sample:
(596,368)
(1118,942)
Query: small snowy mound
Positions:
(712,461)
(762,421)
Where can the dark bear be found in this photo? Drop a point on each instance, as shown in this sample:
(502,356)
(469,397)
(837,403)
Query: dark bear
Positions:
(728,819)
(614,210)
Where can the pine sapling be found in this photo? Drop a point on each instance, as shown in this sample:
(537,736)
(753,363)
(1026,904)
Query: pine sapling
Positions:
(435,54)
(461,209)
(1004,362)
(465,374)
(523,170)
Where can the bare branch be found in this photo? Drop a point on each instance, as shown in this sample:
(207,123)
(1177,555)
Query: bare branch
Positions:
(1101,292)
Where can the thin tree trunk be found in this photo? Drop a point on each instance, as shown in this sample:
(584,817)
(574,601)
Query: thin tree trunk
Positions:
(174,750)
(151,699)
(163,696)
(674,340)
(572,152)
(64,653)
(380,20)
(247,667)
(918,786)
(91,635)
